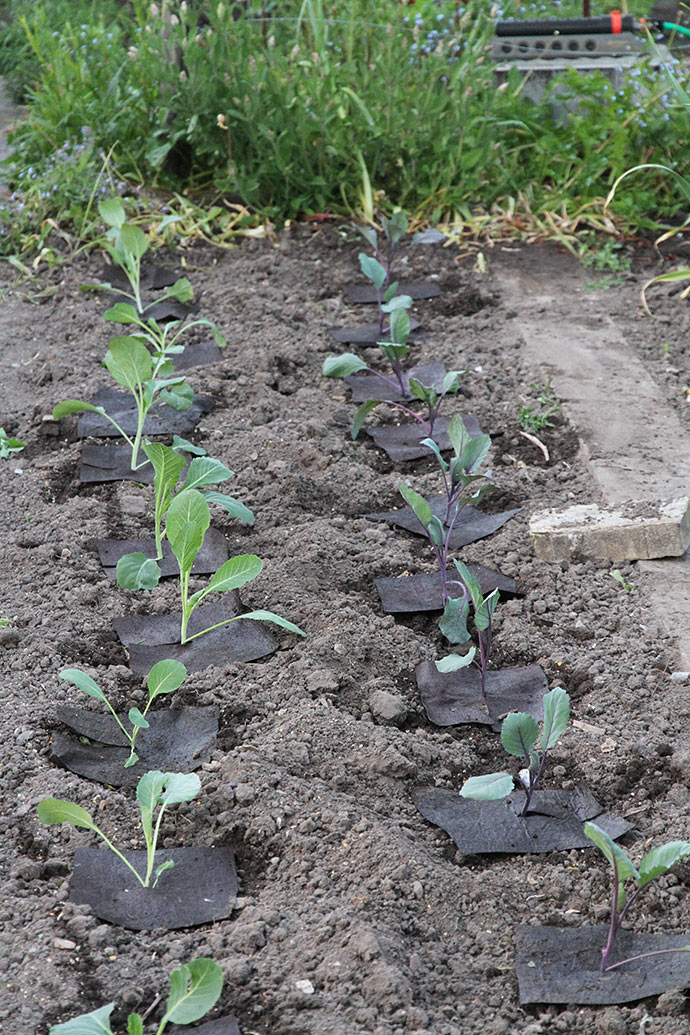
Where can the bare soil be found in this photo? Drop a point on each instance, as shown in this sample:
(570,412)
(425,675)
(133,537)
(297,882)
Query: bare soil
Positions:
(343,883)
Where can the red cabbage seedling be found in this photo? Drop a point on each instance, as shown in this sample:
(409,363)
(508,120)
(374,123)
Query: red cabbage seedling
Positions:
(379,267)
(453,625)
(164,678)
(654,864)
(148,379)
(155,790)
(194,989)
(519,735)
(459,478)
(188,518)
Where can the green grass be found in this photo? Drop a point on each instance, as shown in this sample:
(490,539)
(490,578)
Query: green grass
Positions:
(299,111)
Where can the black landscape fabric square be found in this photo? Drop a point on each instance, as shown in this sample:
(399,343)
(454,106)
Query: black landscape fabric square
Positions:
(160,420)
(554,823)
(453,698)
(402,441)
(151,278)
(368,386)
(213,553)
(221,1026)
(561,965)
(470,526)
(177,741)
(167,309)
(197,354)
(112,464)
(369,333)
(200,888)
(408,593)
(152,638)
(365,294)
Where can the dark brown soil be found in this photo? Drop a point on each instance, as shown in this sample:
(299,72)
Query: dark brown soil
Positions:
(343,883)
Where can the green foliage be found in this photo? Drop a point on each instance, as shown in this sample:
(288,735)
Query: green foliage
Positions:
(187,520)
(164,678)
(538,416)
(8,445)
(519,736)
(194,989)
(155,791)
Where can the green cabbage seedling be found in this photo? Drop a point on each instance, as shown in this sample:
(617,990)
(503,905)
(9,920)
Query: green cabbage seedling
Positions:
(164,678)
(194,989)
(155,790)
(9,445)
(148,379)
(654,864)
(460,476)
(519,735)
(188,517)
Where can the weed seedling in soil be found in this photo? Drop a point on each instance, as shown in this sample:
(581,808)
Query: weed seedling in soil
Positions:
(460,476)
(203,471)
(519,734)
(8,445)
(164,678)
(155,790)
(617,575)
(194,989)
(453,625)
(146,377)
(188,517)
(531,419)
(654,864)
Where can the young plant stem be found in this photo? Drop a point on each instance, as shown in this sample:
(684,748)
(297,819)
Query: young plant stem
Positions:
(151,848)
(484,654)
(186,610)
(643,956)
(120,856)
(533,780)
(225,621)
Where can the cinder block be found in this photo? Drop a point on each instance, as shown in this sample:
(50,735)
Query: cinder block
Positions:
(625,532)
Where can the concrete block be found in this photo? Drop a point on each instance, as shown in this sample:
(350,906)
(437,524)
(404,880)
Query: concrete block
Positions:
(627,531)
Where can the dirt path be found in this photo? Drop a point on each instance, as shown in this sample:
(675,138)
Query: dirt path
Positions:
(344,886)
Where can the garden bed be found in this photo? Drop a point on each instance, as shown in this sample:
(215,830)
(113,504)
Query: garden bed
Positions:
(355,915)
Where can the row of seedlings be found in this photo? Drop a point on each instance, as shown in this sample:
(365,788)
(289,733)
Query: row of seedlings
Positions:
(492,813)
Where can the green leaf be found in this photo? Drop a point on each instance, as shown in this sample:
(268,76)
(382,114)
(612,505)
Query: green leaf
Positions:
(135,1025)
(129,362)
(165,677)
(83,682)
(433,446)
(450,382)
(660,860)
(372,269)
(188,513)
(474,450)
(556,715)
(395,227)
(484,613)
(611,850)
(55,810)
(419,390)
(64,409)
(179,396)
(390,291)
(95,1023)
(235,573)
(397,302)
(112,212)
(472,584)
(453,662)
(519,733)
(133,240)
(121,312)
(453,624)
(161,868)
(369,235)
(149,790)
(194,989)
(457,433)
(421,508)
(491,787)
(400,326)
(270,616)
(186,446)
(179,787)
(232,506)
(205,471)
(220,339)
(167,466)
(181,290)
(436,530)
(342,366)
(361,414)
(137,571)
(137,719)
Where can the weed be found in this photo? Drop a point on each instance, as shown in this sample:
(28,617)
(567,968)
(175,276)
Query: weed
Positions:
(9,446)
(531,418)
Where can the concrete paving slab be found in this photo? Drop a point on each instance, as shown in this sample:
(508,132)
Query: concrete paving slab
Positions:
(635,444)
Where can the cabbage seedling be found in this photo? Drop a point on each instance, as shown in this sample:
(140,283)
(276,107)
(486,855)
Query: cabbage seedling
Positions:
(519,735)
(146,377)
(194,989)
(379,267)
(155,790)
(203,471)
(8,445)
(654,864)
(453,625)
(164,678)
(459,478)
(187,520)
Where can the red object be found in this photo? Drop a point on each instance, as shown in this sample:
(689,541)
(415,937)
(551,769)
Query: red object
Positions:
(616,22)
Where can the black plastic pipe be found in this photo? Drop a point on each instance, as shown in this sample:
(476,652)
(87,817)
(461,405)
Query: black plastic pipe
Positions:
(567,26)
